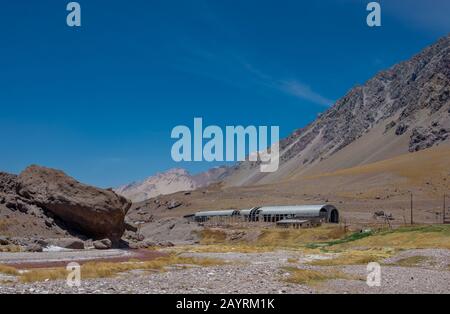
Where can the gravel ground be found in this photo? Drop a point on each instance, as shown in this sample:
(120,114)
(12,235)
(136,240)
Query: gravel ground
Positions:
(435,259)
(394,280)
(255,273)
(196,280)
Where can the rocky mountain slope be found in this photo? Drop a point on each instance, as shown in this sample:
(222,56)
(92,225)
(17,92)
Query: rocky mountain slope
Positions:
(403,109)
(172,181)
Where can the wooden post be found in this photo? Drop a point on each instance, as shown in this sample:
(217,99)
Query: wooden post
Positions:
(412,214)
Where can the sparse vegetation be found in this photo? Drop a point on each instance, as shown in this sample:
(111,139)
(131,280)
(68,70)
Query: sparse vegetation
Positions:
(104,270)
(311,277)
(10,248)
(354,257)
(294,238)
(417,237)
(353,237)
(211,236)
(8,270)
(412,261)
(330,238)
(405,166)
(272,238)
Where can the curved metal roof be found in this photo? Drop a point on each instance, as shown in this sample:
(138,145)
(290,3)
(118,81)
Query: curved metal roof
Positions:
(244,212)
(230,212)
(295,210)
(303,210)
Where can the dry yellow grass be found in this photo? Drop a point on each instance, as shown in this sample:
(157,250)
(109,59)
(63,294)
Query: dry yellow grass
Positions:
(353,249)
(210,236)
(104,270)
(412,261)
(311,277)
(354,257)
(278,237)
(416,168)
(291,238)
(405,165)
(10,248)
(269,239)
(420,237)
(8,270)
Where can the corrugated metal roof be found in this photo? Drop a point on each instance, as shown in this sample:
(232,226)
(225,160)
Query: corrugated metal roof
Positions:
(244,212)
(303,210)
(215,213)
(294,210)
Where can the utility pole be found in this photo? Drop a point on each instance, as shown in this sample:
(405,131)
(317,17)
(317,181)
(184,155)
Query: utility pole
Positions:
(412,214)
(443,212)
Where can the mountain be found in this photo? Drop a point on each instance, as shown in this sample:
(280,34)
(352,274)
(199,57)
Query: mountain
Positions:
(401,110)
(171,181)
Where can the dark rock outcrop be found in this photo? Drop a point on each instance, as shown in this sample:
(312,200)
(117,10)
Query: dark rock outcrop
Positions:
(8,183)
(4,241)
(401,129)
(130,226)
(423,138)
(173,204)
(91,211)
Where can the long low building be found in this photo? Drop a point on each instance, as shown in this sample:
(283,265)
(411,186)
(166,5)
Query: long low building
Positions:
(206,215)
(325,213)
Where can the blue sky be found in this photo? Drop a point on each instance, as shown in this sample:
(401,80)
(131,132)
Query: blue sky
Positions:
(100,101)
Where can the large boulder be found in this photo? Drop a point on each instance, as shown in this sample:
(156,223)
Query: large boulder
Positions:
(102,244)
(4,240)
(92,211)
(67,243)
(34,247)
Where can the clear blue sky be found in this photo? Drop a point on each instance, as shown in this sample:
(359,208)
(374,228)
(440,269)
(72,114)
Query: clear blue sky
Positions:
(100,102)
